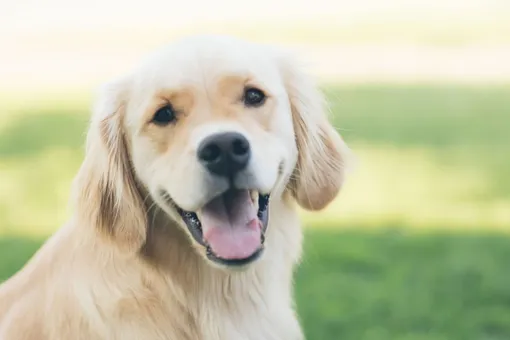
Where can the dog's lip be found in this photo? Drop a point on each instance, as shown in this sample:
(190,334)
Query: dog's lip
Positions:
(193,224)
(237,262)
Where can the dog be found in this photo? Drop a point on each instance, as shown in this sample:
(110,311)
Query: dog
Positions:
(185,223)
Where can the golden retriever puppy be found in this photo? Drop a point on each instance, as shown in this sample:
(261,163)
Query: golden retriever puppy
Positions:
(185,224)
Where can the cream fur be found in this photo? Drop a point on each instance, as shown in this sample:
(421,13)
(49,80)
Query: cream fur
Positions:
(123,267)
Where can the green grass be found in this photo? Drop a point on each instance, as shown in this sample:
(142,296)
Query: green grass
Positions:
(426,155)
(392,285)
(416,247)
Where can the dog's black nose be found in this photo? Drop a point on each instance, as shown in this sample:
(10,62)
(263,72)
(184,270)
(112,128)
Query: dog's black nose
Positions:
(224,154)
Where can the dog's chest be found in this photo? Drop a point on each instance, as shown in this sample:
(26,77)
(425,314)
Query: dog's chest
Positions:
(267,325)
(276,324)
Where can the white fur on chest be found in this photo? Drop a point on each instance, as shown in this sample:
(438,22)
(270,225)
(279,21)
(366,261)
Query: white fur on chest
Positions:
(275,324)
(251,307)
(269,324)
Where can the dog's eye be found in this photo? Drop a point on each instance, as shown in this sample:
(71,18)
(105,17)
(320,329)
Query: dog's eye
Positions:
(164,115)
(253,97)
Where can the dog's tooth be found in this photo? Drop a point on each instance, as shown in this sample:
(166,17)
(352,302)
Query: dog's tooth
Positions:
(254,195)
(256,204)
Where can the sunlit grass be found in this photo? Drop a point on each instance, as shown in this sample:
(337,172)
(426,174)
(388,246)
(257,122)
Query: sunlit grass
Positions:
(426,156)
(411,187)
(34,193)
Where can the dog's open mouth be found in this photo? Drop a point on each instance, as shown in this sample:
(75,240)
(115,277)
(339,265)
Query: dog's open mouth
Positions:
(231,226)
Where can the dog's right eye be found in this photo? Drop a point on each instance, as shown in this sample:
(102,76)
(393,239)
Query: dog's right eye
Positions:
(164,115)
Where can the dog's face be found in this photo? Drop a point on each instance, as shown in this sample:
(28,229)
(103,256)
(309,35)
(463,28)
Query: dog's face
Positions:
(211,133)
(212,128)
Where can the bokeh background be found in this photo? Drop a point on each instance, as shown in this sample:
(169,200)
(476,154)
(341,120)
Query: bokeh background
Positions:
(417,245)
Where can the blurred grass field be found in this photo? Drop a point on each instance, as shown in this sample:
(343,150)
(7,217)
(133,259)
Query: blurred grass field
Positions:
(416,247)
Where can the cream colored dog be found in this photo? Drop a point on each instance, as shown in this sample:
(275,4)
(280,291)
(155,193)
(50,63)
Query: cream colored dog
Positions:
(185,223)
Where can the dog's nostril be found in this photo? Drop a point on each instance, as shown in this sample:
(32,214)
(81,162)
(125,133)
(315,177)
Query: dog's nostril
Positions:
(240,147)
(210,153)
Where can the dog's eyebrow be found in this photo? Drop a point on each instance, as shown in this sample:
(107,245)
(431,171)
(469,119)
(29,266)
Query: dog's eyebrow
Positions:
(175,94)
(181,99)
(236,83)
(226,82)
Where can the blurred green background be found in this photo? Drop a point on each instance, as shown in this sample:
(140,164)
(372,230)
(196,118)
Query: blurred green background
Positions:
(417,244)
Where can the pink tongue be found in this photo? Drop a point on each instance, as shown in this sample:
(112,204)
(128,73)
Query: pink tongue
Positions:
(230,225)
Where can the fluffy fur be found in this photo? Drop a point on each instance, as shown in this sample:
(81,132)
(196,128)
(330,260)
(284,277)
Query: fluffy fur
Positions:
(124,266)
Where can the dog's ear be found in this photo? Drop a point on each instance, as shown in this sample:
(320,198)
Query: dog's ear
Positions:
(106,192)
(320,169)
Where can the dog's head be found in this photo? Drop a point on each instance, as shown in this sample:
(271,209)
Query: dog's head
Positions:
(210,129)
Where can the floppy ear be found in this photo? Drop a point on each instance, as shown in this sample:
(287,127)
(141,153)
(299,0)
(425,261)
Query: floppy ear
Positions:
(319,173)
(107,195)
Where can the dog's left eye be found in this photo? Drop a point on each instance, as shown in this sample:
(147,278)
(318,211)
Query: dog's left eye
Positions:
(253,97)
(164,116)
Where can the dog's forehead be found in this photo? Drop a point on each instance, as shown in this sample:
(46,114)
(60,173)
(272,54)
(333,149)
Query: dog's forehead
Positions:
(203,60)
